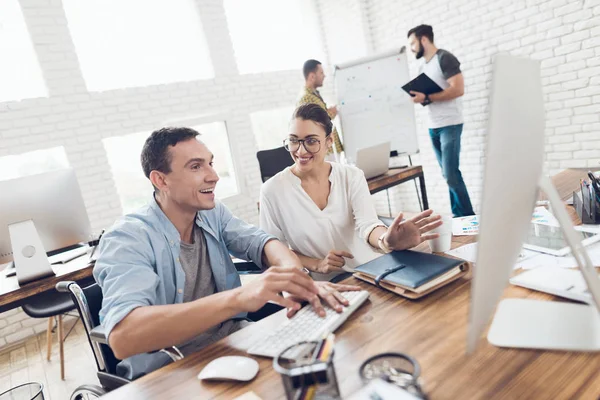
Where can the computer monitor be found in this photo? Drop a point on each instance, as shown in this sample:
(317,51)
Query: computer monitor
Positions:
(512,178)
(52,201)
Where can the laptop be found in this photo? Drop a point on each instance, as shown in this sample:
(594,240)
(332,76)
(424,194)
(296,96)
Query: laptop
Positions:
(374,160)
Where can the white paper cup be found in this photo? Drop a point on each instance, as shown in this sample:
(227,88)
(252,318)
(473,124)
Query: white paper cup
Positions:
(444,242)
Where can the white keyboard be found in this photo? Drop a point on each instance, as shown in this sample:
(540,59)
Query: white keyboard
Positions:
(562,282)
(306,325)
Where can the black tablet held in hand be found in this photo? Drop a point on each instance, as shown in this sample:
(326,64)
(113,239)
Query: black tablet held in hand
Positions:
(422,84)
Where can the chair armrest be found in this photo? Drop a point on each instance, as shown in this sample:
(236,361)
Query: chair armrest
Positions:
(98,335)
(247,267)
(63,286)
(173,352)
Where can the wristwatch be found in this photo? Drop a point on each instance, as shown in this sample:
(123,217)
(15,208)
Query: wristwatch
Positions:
(427,100)
(382,245)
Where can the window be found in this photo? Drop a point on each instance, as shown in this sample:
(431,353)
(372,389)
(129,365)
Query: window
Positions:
(123,153)
(135,189)
(20,73)
(33,163)
(214,135)
(273,35)
(270,127)
(127,43)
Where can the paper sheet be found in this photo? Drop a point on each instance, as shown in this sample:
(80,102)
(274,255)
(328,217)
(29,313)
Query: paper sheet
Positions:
(547,260)
(542,216)
(468,252)
(465,226)
(529,259)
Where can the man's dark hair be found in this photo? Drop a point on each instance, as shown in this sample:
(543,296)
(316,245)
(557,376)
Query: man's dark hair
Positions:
(314,112)
(310,66)
(422,30)
(155,154)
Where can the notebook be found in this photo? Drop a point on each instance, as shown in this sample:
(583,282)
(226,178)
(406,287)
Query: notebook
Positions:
(412,274)
(422,84)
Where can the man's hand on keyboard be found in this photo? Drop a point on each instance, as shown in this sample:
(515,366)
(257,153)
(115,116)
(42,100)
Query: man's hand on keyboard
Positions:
(330,294)
(275,280)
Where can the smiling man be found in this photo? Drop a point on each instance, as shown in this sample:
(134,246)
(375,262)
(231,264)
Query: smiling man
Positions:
(166,272)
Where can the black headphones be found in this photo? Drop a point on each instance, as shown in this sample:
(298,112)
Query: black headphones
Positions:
(385,366)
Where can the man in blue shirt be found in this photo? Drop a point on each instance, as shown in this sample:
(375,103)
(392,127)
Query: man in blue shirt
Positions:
(166,272)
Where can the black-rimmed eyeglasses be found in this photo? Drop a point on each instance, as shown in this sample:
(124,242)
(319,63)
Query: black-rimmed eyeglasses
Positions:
(311,145)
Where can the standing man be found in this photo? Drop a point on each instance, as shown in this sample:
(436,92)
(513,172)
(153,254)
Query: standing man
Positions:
(445,112)
(313,78)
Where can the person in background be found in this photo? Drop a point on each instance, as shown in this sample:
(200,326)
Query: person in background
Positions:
(444,111)
(324,210)
(313,79)
(166,273)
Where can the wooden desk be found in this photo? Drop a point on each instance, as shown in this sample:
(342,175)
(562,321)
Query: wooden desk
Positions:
(397,176)
(433,329)
(13,296)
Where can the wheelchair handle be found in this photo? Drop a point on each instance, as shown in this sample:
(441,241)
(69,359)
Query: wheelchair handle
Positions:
(63,286)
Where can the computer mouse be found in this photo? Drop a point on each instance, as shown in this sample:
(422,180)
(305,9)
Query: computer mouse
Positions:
(234,368)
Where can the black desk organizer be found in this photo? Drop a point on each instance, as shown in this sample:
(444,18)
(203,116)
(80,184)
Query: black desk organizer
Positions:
(587,209)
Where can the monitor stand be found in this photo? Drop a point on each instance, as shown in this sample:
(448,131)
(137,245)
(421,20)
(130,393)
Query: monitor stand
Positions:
(29,255)
(552,325)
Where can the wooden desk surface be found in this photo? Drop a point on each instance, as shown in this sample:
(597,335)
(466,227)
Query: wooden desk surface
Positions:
(393,177)
(12,296)
(433,330)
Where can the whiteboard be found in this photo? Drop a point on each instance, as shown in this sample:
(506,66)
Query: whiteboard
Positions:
(372,106)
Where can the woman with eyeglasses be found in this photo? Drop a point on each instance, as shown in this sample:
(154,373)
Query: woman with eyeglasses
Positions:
(324,210)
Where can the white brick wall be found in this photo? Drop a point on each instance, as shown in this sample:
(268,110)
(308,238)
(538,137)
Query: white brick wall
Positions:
(562,34)
(78,120)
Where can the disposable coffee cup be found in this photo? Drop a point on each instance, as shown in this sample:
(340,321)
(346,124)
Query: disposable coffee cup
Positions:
(444,242)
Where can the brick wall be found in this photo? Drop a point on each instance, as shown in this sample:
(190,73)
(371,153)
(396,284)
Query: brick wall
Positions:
(563,34)
(78,120)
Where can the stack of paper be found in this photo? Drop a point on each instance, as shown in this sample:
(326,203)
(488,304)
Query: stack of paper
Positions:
(529,259)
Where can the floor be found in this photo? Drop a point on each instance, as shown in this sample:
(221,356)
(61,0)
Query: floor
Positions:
(27,363)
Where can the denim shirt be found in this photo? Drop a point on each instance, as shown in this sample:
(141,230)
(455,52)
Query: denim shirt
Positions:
(138,265)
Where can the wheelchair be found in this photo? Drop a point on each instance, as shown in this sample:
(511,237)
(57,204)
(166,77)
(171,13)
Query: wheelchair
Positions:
(88,301)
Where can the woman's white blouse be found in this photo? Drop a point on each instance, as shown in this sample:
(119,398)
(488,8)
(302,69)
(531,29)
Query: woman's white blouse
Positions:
(288,212)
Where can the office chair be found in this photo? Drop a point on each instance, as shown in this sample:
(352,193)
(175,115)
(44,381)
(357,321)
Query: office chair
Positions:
(51,305)
(88,302)
(273,161)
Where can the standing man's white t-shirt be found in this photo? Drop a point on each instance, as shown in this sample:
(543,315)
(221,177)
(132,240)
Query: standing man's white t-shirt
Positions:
(288,212)
(441,67)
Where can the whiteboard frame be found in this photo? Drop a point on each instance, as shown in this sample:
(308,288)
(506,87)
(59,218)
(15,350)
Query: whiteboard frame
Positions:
(367,59)
(372,58)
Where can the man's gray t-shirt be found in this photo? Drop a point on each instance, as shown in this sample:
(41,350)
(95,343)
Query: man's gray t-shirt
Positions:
(199,282)
(441,67)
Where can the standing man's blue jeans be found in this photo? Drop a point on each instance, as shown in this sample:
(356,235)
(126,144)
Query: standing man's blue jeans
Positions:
(446,144)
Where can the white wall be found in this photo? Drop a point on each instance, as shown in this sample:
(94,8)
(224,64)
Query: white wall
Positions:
(563,34)
(78,120)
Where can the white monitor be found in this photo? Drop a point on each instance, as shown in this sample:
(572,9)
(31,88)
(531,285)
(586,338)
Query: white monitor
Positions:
(512,178)
(52,201)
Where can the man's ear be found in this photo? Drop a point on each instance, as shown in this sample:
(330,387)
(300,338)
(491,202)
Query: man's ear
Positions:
(158,179)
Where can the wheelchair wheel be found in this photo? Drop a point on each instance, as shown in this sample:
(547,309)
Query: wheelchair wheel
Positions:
(87,392)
